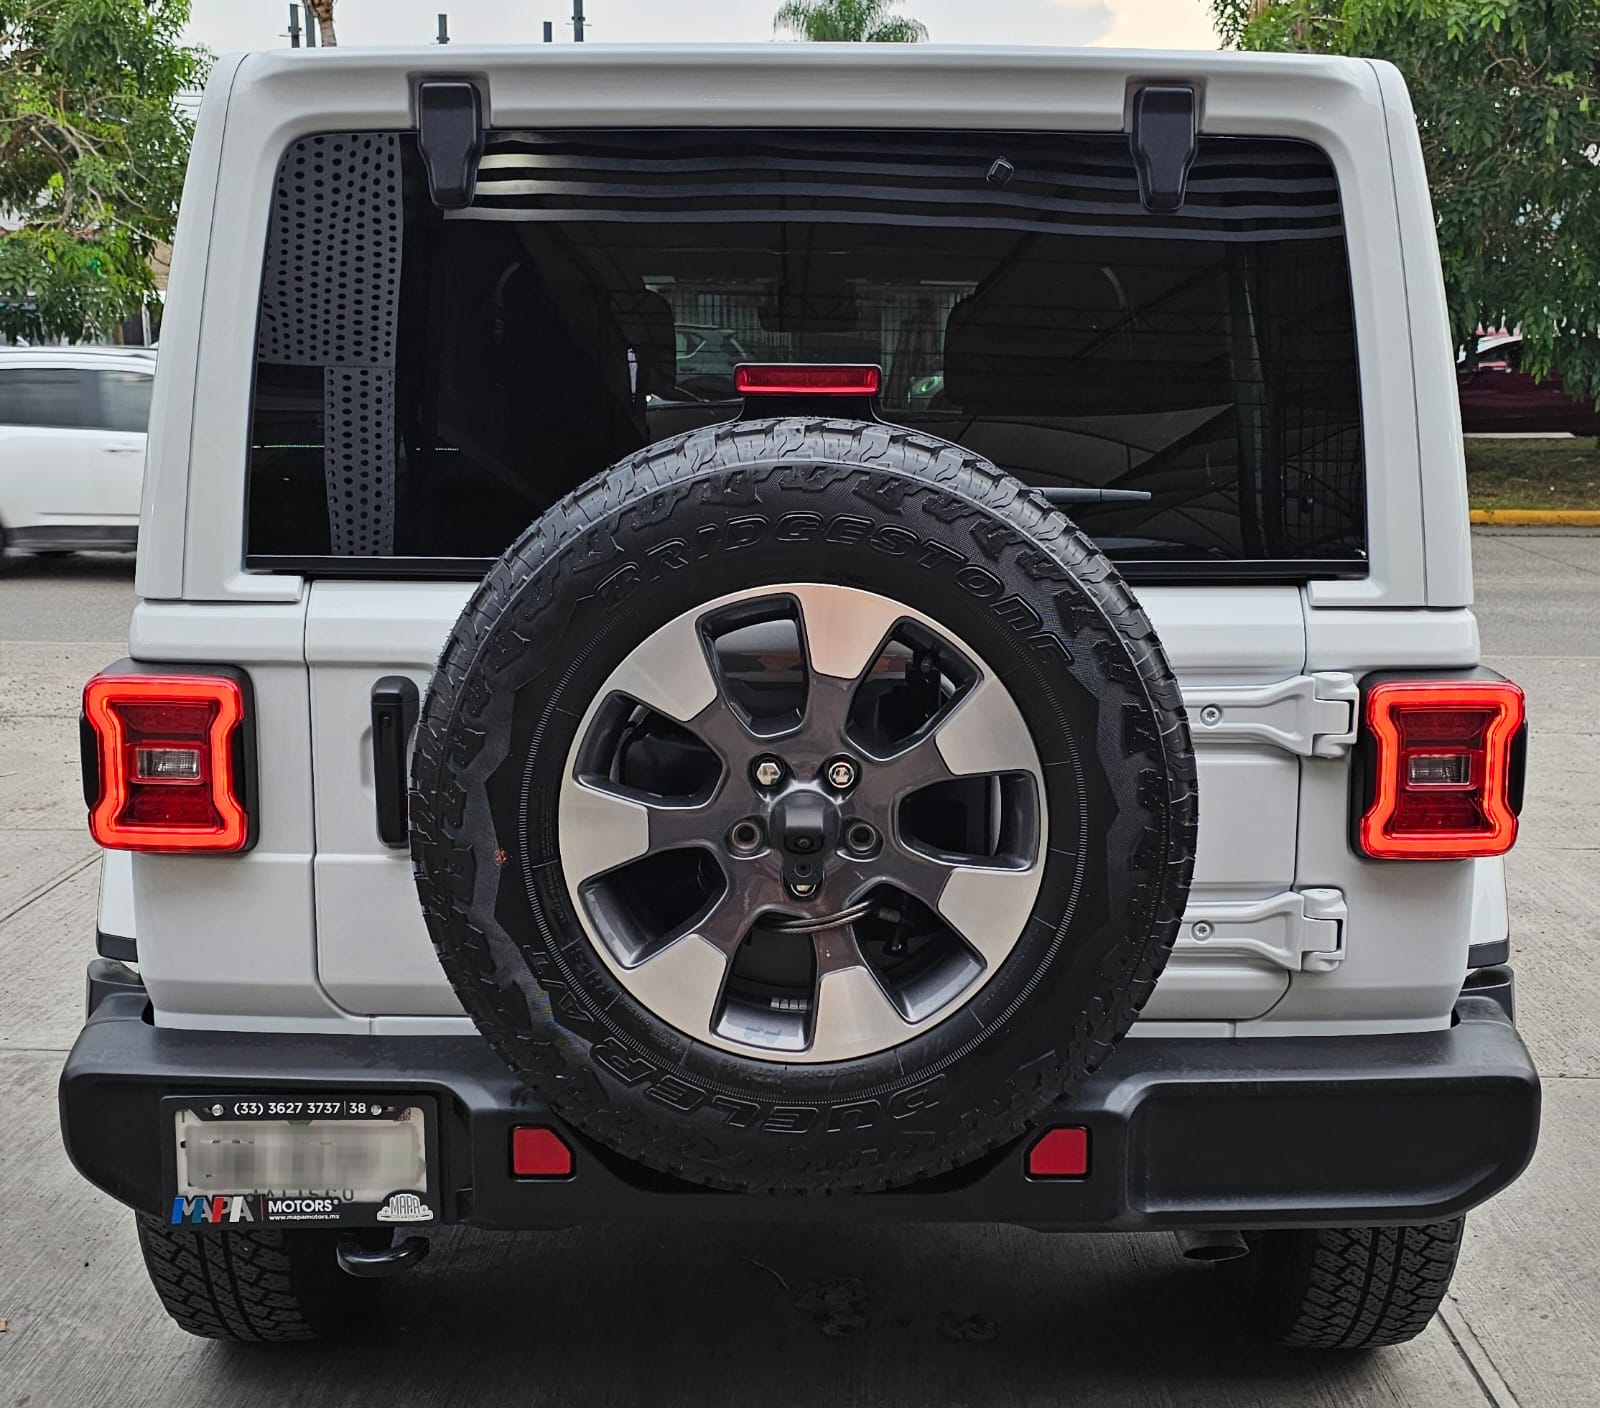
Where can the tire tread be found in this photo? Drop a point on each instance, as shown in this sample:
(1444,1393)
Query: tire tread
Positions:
(1350,1287)
(250,1286)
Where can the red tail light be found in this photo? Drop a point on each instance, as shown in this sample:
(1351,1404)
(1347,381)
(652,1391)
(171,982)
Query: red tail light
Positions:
(806,379)
(1442,784)
(168,773)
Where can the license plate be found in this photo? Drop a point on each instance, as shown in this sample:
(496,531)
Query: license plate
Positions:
(327,1159)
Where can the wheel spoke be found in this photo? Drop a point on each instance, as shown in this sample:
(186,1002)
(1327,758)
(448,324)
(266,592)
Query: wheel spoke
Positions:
(668,672)
(844,632)
(682,983)
(599,830)
(989,906)
(674,827)
(726,922)
(921,876)
(853,1014)
(985,733)
(720,726)
(917,766)
(602,829)
(844,629)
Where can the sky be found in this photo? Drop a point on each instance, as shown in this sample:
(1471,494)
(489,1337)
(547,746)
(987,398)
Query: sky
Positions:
(225,25)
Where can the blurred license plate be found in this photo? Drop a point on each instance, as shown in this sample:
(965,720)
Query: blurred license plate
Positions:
(329,1160)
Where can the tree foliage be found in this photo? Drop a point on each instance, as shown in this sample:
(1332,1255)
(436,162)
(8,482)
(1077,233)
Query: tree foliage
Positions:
(92,154)
(1507,94)
(848,21)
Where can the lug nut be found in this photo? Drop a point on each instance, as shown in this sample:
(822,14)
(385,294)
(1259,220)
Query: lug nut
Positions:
(860,838)
(842,773)
(768,772)
(744,837)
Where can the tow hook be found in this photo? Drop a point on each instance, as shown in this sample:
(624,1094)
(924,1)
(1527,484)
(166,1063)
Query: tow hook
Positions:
(372,1262)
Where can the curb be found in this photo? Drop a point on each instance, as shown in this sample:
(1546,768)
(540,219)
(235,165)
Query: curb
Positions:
(1538,517)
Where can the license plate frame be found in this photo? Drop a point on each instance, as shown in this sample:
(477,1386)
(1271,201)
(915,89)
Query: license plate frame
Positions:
(204,1203)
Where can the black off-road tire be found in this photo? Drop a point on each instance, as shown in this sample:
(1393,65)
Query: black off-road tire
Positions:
(1346,1287)
(252,1286)
(757,503)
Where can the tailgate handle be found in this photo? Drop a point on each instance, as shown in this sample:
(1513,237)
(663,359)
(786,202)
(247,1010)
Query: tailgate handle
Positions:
(394,715)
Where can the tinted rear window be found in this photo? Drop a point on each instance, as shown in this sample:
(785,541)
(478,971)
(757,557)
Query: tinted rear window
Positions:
(427,384)
(125,400)
(56,398)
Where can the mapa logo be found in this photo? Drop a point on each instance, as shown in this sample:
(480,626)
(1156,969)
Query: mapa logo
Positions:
(405,1207)
(224,1207)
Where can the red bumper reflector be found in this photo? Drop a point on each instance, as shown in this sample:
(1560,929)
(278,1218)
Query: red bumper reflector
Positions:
(539,1153)
(1442,763)
(1060,1153)
(806,379)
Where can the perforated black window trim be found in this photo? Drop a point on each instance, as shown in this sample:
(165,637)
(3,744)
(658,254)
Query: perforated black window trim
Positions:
(330,297)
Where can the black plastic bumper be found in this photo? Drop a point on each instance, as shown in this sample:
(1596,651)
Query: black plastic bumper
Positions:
(1183,1132)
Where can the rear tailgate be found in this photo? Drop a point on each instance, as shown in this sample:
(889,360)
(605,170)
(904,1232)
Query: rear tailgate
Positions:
(1239,652)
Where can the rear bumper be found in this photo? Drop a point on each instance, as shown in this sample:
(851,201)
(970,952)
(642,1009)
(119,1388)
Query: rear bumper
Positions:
(1265,1132)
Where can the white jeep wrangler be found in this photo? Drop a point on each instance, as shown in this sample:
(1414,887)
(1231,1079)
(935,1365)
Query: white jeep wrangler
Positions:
(803,632)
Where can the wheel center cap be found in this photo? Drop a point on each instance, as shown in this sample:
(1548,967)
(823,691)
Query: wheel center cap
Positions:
(805,823)
(805,830)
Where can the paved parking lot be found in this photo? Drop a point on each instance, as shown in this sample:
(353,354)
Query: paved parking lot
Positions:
(786,1316)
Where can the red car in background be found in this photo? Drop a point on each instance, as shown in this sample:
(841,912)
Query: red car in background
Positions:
(1497,395)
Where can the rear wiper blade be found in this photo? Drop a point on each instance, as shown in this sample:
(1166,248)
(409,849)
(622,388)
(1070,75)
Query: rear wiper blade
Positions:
(1064,497)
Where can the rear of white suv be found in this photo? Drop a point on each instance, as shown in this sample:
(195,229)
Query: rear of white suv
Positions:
(1191,301)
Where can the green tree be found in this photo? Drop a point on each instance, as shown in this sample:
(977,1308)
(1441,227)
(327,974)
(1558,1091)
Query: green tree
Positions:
(1507,94)
(847,21)
(92,152)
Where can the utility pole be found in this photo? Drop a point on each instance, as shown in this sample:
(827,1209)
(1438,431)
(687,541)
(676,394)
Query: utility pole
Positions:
(549,32)
(444,29)
(577,21)
(294,26)
(311,29)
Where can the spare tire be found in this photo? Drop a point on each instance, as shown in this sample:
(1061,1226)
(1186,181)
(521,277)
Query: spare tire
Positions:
(803,805)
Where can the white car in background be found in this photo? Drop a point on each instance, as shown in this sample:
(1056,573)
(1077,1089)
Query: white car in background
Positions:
(72,431)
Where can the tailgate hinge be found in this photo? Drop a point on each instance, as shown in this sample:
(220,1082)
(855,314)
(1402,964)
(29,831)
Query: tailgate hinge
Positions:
(1300,930)
(1165,139)
(1312,716)
(450,137)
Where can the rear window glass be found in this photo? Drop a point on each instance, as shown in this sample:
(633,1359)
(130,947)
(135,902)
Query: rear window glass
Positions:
(57,398)
(427,383)
(125,400)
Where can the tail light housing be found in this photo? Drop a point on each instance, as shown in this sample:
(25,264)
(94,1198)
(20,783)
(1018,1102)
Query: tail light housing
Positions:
(1445,778)
(167,760)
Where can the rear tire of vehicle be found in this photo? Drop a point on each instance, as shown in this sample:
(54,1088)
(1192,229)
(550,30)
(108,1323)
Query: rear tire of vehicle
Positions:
(1346,1287)
(252,1286)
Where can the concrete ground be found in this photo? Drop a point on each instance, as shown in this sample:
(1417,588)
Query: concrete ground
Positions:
(951,1316)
